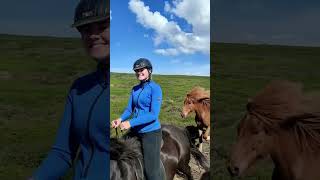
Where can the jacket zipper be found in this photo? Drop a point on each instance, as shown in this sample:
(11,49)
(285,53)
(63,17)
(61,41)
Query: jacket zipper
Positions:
(88,134)
(138,100)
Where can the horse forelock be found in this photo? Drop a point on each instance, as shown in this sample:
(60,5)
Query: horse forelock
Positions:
(282,104)
(198,95)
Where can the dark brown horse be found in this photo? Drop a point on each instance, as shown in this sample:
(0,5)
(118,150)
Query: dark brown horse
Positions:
(284,123)
(126,161)
(198,101)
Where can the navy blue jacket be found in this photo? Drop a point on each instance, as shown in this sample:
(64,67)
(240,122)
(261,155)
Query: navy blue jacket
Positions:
(145,104)
(85,125)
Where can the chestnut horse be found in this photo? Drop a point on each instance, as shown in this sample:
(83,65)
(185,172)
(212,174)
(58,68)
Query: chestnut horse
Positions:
(198,101)
(283,123)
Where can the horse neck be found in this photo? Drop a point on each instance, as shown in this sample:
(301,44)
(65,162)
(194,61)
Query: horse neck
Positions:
(201,110)
(286,154)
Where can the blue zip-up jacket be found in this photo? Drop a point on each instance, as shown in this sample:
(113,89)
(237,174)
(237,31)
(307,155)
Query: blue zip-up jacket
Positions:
(145,104)
(84,125)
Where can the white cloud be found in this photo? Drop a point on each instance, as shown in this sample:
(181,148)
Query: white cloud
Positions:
(196,13)
(167,6)
(146,35)
(170,33)
(167,52)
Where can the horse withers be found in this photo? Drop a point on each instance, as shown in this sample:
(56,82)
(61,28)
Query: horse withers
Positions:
(198,101)
(283,123)
(126,161)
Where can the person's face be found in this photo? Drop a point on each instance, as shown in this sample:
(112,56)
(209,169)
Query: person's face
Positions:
(142,74)
(96,39)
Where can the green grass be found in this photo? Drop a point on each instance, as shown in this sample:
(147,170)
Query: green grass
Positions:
(35,75)
(174,90)
(239,72)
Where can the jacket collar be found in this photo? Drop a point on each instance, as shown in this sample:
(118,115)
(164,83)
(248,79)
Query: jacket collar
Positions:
(143,83)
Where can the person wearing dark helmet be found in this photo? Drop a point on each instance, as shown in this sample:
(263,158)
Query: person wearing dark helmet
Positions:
(84,128)
(144,106)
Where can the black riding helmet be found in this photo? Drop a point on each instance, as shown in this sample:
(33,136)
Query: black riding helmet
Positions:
(90,11)
(142,63)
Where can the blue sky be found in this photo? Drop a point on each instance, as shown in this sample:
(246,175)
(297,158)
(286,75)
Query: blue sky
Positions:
(129,38)
(138,31)
(38,17)
(285,22)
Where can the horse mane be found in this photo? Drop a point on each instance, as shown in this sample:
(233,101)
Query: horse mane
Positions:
(283,105)
(200,95)
(127,153)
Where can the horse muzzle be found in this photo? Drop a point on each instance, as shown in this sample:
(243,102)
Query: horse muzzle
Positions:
(183,115)
(233,170)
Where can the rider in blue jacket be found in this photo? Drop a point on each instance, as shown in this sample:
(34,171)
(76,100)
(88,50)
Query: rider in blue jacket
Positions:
(142,117)
(82,139)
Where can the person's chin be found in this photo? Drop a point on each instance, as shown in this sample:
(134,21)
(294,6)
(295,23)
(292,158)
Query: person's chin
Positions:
(100,56)
(99,53)
(142,79)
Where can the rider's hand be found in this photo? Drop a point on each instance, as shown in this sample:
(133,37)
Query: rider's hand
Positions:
(116,123)
(125,125)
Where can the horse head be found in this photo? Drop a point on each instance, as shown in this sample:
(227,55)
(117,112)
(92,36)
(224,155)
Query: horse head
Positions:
(253,143)
(196,96)
(188,107)
(266,113)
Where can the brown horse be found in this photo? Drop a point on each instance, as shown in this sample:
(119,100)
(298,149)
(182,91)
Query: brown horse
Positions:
(198,101)
(284,123)
(126,161)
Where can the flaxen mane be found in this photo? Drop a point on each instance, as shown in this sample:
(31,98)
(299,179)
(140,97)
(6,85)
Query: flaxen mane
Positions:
(199,94)
(282,104)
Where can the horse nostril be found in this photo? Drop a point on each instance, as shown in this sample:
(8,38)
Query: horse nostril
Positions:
(234,171)
(182,115)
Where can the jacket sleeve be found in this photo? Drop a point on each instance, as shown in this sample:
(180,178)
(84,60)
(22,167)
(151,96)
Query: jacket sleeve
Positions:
(59,159)
(153,114)
(128,111)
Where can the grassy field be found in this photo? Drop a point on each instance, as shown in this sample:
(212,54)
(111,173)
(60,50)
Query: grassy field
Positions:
(239,71)
(35,75)
(174,90)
